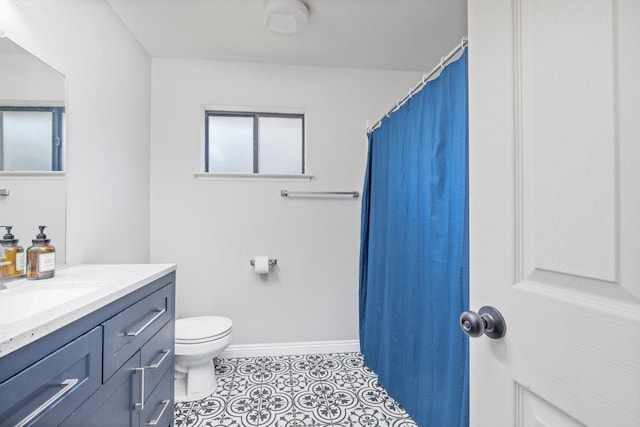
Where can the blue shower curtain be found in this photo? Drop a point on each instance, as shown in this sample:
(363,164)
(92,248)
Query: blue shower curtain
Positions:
(414,268)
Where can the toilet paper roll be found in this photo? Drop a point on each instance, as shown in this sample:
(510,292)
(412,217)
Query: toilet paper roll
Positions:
(261,264)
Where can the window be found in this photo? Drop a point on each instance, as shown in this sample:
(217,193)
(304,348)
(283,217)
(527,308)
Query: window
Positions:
(264,143)
(31,138)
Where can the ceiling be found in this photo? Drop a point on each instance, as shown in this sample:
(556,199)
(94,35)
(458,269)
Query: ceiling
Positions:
(407,35)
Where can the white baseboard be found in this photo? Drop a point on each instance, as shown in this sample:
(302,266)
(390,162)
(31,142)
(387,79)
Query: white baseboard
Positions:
(291,348)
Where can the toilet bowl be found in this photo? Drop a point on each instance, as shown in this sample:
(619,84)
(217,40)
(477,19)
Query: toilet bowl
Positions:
(198,341)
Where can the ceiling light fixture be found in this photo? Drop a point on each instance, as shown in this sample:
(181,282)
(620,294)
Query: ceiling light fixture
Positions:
(286,17)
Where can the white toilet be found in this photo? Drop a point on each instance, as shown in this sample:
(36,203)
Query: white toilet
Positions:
(198,341)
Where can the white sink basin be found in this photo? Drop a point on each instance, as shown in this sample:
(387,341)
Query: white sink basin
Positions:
(28,302)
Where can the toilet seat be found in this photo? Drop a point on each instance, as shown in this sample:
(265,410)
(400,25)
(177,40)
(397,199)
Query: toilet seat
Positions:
(197,330)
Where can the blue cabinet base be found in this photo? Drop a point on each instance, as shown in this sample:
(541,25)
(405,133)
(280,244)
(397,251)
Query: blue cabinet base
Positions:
(113,367)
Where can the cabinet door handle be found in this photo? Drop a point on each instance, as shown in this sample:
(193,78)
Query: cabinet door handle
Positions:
(139,406)
(159,362)
(67,386)
(164,408)
(159,313)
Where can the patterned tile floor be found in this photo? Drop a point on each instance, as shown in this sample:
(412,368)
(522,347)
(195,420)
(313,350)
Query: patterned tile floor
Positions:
(317,390)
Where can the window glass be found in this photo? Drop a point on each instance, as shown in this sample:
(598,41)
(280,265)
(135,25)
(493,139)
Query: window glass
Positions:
(251,142)
(26,140)
(230,144)
(280,147)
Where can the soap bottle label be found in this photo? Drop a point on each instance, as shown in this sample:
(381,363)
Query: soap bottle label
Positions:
(46,262)
(20,262)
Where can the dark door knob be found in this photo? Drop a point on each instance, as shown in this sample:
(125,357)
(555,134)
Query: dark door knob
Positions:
(487,320)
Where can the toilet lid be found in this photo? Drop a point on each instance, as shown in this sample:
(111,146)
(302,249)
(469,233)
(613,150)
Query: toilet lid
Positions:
(202,329)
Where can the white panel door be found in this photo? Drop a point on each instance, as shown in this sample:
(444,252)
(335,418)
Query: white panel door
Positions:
(554,110)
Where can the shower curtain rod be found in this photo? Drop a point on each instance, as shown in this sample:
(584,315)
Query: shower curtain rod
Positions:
(444,61)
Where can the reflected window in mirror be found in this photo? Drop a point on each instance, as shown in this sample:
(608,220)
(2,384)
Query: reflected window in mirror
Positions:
(31,138)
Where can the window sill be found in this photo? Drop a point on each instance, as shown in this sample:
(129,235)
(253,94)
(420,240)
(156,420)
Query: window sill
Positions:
(208,176)
(32,175)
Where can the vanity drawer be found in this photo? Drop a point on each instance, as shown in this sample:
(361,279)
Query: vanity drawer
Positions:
(157,357)
(125,333)
(47,391)
(158,408)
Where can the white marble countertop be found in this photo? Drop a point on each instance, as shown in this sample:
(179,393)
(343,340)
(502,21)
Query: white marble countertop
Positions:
(97,285)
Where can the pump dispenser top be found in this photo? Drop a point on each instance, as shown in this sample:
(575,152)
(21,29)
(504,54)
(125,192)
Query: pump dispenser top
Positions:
(8,237)
(41,237)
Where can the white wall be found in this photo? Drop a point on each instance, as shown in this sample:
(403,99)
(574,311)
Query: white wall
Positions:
(213,228)
(25,80)
(108,92)
(35,200)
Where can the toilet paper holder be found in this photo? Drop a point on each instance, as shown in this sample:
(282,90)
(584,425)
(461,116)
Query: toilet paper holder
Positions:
(272,262)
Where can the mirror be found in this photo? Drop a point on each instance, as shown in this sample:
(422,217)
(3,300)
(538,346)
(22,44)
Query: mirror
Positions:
(32,108)
(32,144)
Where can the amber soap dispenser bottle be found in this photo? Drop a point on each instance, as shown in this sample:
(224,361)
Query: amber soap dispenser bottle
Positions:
(15,255)
(41,257)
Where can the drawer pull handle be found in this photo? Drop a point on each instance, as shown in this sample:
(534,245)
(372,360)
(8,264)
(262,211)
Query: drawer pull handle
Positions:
(67,386)
(139,406)
(164,408)
(159,313)
(159,362)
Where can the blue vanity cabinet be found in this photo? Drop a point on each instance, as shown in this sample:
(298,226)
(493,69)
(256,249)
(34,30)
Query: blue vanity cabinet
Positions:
(134,395)
(126,332)
(120,362)
(158,409)
(157,359)
(46,392)
(112,404)
(137,359)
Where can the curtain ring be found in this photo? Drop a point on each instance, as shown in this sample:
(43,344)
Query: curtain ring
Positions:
(463,42)
(424,78)
(442,63)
